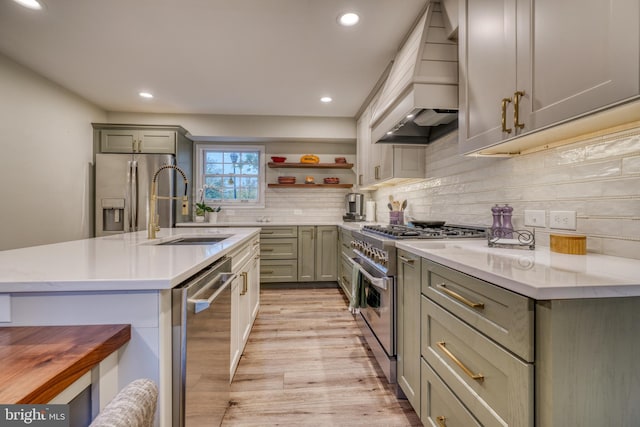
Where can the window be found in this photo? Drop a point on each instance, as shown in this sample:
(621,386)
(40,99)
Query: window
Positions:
(231,176)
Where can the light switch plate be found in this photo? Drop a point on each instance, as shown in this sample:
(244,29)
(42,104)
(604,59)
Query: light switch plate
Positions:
(535,218)
(562,220)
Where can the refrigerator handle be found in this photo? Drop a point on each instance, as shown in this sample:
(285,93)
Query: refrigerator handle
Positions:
(134,195)
(128,204)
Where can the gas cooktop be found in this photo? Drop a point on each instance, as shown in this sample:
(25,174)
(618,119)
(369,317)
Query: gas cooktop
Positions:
(398,232)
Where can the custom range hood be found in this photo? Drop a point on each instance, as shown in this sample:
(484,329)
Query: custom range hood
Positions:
(419,100)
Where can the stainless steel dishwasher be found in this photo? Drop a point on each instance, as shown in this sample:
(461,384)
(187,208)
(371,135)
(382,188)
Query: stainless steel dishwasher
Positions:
(201,341)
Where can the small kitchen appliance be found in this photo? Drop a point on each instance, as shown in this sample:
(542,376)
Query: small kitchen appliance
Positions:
(354,204)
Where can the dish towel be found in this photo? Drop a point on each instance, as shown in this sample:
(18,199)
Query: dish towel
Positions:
(358,298)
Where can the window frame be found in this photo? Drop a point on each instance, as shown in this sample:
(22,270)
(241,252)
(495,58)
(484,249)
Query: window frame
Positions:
(199,174)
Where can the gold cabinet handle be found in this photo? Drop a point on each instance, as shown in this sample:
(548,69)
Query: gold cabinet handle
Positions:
(477,377)
(407,260)
(360,179)
(505,101)
(266,272)
(442,421)
(376,172)
(516,109)
(266,249)
(459,297)
(245,282)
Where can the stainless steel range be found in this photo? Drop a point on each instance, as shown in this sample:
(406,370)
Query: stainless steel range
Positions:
(374,246)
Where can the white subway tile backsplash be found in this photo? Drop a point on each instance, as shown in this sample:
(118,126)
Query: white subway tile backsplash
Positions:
(631,165)
(615,147)
(599,178)
(597,170)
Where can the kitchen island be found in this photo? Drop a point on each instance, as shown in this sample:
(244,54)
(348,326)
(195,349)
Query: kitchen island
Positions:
(119,279)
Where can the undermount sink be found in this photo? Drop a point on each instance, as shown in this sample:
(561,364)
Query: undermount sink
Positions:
(199,240)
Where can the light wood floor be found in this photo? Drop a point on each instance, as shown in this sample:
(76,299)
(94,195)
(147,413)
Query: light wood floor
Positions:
(306,364)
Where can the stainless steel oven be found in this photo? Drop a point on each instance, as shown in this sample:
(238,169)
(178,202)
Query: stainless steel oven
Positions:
(377,318)
(375,261)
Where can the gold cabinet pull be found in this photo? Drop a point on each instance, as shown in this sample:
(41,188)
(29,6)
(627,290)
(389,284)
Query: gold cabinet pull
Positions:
(245,282)
(360,179)
(442,421)
(505,101)
(266,272)
(459,297)
(266,249)
(516,109)
(477,377)
(407,260)
(376,172)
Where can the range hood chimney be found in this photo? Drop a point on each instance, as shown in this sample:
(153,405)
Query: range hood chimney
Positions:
(419,100)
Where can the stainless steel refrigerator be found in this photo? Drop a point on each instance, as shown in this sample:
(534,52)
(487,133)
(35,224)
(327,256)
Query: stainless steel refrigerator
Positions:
(123,186)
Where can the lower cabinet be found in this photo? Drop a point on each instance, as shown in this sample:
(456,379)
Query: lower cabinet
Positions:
(245,298)
(408,326)
(345,268)
(279,254)
(299,254)
(476,351)
(317,260)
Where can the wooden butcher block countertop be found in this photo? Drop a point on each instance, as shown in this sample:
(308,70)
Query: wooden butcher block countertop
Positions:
(39,362)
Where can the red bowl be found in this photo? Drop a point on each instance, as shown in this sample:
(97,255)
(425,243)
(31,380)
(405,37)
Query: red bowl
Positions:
(277,159)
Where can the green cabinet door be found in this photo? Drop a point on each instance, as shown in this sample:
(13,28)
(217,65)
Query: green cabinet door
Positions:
(306,253)
(326,253)
(408,340)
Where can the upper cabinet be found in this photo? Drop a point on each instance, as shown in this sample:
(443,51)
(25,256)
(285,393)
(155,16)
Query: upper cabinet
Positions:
(121,140)
(532,64)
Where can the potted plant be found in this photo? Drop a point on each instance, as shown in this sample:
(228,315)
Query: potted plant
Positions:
(202,209)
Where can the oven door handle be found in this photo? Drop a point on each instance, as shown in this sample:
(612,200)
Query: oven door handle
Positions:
(378,282)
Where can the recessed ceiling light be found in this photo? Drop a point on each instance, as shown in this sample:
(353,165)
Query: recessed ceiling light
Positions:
(30,4)
(348,19)
(326,99)
(409,116)
(146,95)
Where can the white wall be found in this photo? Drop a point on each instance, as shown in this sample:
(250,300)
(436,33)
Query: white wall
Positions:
(46,149)
(599,178)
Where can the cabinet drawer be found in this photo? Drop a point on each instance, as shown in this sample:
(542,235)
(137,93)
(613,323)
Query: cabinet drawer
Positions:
(439,406)
(285,270)
(346,270)
(243,254)
(278,232)
(504,316)
(501,393)
(279,249)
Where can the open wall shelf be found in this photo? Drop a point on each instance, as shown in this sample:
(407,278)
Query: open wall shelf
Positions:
(285,165)
(310,185)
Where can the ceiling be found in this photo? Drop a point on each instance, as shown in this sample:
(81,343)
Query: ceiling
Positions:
(256,57)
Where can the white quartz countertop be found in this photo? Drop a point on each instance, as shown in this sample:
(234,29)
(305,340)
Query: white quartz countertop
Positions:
(120,262)
(276,223)
(540,273)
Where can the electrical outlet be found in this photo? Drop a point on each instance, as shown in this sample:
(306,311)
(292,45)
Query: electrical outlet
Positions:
(297,211)
(534,218)
(563,220)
